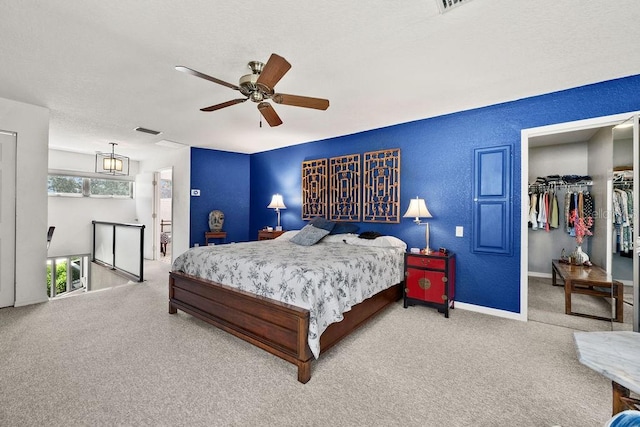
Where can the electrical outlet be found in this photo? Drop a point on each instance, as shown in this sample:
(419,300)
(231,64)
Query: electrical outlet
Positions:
(459,231)
(195,192)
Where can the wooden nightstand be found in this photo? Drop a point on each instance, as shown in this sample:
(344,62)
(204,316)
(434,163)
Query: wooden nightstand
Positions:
(430,280)
(268,235)
(212,235)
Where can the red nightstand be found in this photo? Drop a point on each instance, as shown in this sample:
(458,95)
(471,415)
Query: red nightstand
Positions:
(430,280)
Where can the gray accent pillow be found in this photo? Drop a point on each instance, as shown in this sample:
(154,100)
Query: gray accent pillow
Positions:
(309,235)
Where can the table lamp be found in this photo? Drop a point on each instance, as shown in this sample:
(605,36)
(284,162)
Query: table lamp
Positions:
(277,203)
(418,209)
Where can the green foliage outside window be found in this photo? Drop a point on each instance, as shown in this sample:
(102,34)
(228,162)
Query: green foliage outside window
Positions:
(64,184)
(87,187)
(61,276)
(110,187)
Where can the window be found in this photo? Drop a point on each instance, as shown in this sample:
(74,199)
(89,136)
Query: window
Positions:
(109,187)
(78,186)
(64,185)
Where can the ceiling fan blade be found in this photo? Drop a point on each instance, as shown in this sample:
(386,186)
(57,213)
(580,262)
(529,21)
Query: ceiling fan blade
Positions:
(269,114)
(301,101)
(224,104)
(274,69)
(206,77)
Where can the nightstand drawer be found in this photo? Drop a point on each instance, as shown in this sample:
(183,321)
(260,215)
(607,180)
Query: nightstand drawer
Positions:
(426,262)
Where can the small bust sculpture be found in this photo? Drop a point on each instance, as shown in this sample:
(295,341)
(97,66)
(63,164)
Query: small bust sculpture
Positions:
(216,219)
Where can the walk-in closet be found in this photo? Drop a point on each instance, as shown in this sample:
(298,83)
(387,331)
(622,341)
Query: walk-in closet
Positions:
(580,199)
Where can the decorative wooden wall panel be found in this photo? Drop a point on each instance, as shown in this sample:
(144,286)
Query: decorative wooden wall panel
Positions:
(382,186)
(344,185)
(314,188)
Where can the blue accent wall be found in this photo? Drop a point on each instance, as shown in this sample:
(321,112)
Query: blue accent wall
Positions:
(223,179)
(437,157)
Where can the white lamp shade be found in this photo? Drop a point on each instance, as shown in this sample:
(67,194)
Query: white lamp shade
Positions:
(277,202)
(417,209)
(112,164)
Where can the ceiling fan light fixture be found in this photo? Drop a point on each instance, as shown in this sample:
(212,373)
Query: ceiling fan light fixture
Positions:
(247,84)
(257,96)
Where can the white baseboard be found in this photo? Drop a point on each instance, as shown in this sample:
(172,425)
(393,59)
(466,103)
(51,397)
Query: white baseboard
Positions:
(536,274)
(491,311)
(29,302)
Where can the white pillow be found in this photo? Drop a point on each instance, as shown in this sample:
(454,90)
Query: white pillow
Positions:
(379,242)
(287,235)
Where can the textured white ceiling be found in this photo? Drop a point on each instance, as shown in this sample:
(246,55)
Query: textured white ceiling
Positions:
(106,67)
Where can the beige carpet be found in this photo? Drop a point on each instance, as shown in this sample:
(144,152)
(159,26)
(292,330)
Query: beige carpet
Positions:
(116,357)
(546,304)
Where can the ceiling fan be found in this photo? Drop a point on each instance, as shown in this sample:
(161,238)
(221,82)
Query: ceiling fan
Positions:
(259,86)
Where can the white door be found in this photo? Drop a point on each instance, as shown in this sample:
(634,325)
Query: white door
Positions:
(7,218)
(146,211)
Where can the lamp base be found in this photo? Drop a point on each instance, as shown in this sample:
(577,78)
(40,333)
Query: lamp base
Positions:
(426,251)
(278,228)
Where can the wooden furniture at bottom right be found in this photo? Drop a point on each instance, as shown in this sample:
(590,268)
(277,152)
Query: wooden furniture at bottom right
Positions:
(592,281)
(613,354)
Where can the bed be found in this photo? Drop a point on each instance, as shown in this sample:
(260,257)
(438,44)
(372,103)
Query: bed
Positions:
(294,301)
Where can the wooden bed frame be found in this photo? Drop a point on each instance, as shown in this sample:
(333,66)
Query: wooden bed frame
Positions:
(279,328)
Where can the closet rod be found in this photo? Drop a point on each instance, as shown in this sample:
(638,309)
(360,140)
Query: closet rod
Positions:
(559,186)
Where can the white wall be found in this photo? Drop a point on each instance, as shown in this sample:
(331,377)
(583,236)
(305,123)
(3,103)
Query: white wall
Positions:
(623,153)
(72,216)
(601,170)
(31,123)
(180,161)
(86,163)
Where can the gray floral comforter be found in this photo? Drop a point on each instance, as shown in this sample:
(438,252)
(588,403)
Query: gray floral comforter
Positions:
(326,278)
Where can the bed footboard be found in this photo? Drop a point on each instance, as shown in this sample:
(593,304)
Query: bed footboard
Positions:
(279,328)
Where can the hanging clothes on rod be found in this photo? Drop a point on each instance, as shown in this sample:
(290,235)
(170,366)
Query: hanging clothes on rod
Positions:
(578,204)
(545,210)
(623,212)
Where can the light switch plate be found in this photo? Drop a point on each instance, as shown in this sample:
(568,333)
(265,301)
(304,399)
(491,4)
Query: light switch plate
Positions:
(195,192)
(459,231)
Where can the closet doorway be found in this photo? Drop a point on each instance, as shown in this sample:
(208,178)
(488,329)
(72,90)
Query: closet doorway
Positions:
(594,158)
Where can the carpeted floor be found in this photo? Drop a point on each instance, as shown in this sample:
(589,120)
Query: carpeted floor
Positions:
(546,305)
(116,357)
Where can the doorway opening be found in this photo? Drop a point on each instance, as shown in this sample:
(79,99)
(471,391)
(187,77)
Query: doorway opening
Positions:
(576,148)
(165,214)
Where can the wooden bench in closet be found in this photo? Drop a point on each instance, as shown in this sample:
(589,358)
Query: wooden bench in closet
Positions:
(592,281)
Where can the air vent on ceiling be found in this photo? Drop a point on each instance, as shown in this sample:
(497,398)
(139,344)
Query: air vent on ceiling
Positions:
(145,130)
(447,5)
